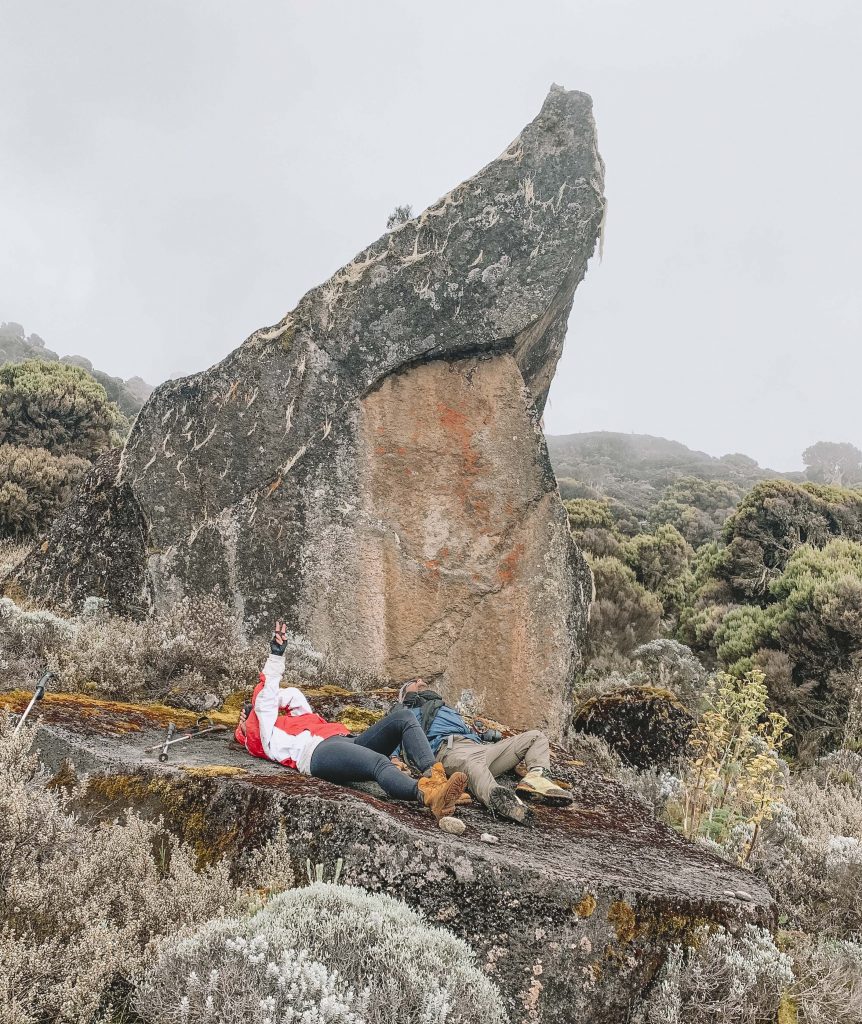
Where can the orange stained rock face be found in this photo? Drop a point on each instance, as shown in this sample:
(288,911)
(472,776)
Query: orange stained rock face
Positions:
(449,571)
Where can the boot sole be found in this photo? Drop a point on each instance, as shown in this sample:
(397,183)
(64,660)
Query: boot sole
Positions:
(506,804)
(452,793)
(545,798)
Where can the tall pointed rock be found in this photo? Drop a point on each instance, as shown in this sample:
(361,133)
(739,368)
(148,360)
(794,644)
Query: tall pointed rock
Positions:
(372,467)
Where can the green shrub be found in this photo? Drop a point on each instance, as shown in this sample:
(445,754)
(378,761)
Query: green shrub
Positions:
(775,519)
(58,407)
(34,486)
(624,614)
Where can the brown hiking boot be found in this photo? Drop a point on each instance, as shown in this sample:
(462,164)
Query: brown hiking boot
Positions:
(441,794)
(535,785)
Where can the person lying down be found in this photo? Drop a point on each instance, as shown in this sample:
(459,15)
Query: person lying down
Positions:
(282,726)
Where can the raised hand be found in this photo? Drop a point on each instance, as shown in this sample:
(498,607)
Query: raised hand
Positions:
(279,638)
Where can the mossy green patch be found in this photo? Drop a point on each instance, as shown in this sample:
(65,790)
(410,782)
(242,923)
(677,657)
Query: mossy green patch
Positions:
(358,719)
(586,905)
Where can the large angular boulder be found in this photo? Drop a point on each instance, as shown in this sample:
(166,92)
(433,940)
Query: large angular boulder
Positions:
(572,916)
(372,467)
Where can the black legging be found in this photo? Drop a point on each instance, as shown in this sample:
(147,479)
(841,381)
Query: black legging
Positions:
(364,758)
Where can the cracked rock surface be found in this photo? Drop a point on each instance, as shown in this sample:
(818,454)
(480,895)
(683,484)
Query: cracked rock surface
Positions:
(372,467)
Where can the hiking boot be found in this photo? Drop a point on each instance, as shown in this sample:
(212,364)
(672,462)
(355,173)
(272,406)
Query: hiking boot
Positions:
(504,803)
(441,794)
(535,785)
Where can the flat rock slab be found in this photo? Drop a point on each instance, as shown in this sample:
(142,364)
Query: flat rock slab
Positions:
(571,915)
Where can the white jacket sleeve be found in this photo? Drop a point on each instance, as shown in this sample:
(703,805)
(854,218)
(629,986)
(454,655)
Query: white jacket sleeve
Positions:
(291,697)
(267,703)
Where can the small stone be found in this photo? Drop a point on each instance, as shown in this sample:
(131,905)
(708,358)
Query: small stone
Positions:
(486,837)
(746,897)
(454,826)
(729,893)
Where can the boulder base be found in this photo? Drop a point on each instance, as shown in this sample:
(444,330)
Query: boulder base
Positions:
(571,916)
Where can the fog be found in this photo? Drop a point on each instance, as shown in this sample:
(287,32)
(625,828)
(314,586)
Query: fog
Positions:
(175,175)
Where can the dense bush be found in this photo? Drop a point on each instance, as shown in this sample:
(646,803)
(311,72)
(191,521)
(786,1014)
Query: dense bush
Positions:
(720,979)
(72,926)
(811,853)
(34,486)
(660,562)
(624,614)
(58,407)
(196,648)
(775,519)
(807,638)
(325,953)
(697,508)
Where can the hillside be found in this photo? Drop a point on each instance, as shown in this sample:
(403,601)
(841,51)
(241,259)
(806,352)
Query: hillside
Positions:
(16,346)
(636,468)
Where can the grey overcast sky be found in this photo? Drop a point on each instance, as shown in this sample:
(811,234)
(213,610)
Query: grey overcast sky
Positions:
(175,174)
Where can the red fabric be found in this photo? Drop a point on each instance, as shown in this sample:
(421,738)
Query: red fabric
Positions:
(293,725)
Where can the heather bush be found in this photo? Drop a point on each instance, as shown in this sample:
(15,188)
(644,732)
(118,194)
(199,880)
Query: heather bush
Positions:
(670,665)
(12,554)
(828,986)
(193,649)
(721,979)
(811,853)
(58,407)
(72,926)
(363,957)
(34,486)
(623,615)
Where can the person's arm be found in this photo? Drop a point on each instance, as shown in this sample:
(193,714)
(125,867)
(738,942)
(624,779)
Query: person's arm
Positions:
(267,702)
(291,697)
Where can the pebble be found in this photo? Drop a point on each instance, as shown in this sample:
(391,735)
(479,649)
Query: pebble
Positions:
(454,826)
(746,897)
(486,837)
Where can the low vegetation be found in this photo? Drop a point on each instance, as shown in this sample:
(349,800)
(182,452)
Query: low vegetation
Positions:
(741,594)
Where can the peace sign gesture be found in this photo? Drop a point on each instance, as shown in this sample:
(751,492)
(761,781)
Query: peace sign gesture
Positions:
(279,638)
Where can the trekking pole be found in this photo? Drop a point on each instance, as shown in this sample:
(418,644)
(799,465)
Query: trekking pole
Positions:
(171,738)
(38,694)
(171,730)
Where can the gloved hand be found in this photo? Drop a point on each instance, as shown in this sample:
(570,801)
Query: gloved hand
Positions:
(486,734)
(279,638)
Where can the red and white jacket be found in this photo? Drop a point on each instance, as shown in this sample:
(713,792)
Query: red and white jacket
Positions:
(282,725)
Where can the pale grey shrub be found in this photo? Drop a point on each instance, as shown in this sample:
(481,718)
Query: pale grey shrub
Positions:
(193,649)
(392,966)
(828,989)
(245,981)
(80,907)
(810,853)
(724,979)
(671,665)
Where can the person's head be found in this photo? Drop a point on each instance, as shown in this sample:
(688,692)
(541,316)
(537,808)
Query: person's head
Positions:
(414,686)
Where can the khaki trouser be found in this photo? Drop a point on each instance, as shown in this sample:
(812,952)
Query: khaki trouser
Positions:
(483,762)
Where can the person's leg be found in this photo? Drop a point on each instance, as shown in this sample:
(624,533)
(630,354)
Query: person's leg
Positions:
(343,761)
(400,728)
(469,757)
(531,747)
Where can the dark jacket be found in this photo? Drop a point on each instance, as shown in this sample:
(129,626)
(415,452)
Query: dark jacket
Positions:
(447,722)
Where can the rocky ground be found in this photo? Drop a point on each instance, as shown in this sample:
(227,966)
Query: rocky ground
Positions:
(573,911)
